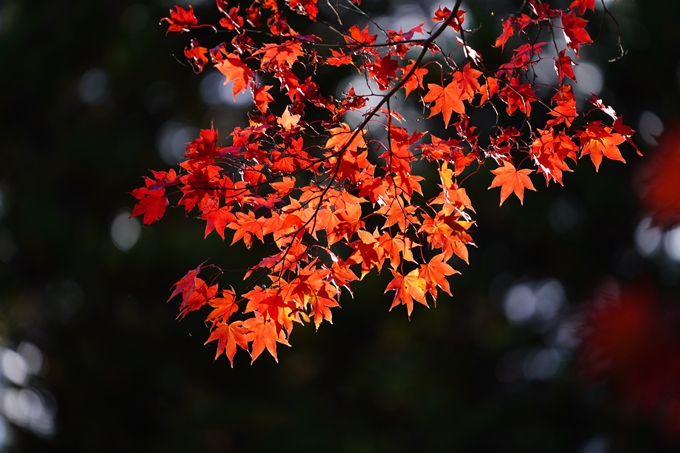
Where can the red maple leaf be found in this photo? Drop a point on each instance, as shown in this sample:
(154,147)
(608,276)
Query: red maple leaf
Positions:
(383,70)
(511,25)
(580,6)
(218,219)
(563,67)
(233,20)
(180,19)
(339,58)
(197,55)
(518,96)
(196,297)
(151,204)
(443,13)
(574,31)
(304,7)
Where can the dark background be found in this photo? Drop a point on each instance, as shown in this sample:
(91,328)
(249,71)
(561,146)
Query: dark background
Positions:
(92,359)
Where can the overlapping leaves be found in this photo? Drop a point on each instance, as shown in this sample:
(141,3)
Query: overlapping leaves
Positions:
(338,202)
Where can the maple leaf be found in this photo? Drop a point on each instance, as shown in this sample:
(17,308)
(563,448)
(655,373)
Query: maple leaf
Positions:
(341,136)
(511,25)
(467,80)
(598,140)
(263,334)
(488,90)
(395,246)
(339,58)
(627,132)
(442,14)
(446,100)
(199,295)
(205,146)
(360,36)
(186,284)
(407,288)
(218,219)
(262,98)
(233,20)
(288,121)
(383,70)
(197,55)
(518,95)
(321,303)
(280,55)
(223,307)
(180,19)
(565,110)
(563,67)
(151,204)
(574,32)
(399,214)
(228,336)
(435,272)
(580,6)
(510,180)
(549,151)
(304,7)
(247,225)
(236,71)
(368,252)
(416,79)
(199,184)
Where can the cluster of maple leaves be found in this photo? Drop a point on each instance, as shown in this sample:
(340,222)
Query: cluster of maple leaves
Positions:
(337,202)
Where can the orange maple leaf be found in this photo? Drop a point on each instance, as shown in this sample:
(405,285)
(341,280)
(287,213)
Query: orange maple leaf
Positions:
(599,140)
(223,307)
(288,121)
(467,80)
(416,79)
(280,55)
(435,272)
(447,100)
(407,288)
(235,70)
(262,98)
(340,136)
(228,336)
(263,334)
(509,179)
